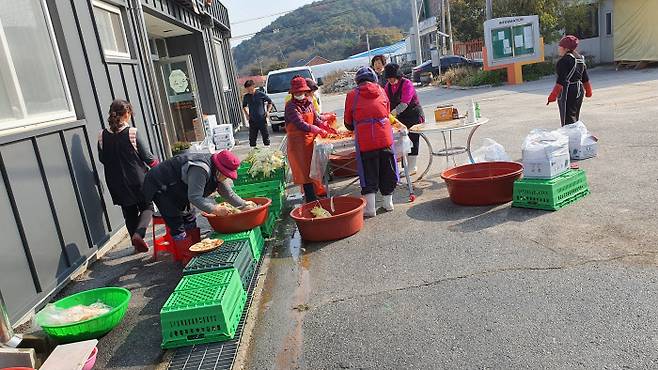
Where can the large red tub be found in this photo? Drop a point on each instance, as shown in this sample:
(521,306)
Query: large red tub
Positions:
(242,221)
(346,221)
(482,184)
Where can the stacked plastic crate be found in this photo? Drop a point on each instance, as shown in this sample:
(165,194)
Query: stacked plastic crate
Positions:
(204,308)
(236,254)
(272,187)
(550,194)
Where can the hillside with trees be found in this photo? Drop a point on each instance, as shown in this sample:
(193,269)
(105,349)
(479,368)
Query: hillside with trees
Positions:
(333,29)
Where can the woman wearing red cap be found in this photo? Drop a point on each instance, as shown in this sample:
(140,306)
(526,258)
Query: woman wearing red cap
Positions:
(302,126)
(189,179)
(572,81)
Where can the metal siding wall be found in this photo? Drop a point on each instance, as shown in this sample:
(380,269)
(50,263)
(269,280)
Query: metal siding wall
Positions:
(33,208)
(65,202)
(140,117)
(19,290)
(76,144)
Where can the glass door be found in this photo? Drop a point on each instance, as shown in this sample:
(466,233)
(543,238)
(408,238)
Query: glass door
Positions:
(179,86)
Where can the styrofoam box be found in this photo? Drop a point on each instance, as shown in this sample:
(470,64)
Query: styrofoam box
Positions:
(223,146)
(588,148)
(230,142)
(546,168)
(222,137)
(221,129)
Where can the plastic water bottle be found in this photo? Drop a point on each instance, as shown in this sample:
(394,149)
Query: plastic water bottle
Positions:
(477,111)
(473,113)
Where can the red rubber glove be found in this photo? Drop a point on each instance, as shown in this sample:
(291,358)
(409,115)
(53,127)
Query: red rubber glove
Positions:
(154,163)
(588,89)
(557,90)
(319,131)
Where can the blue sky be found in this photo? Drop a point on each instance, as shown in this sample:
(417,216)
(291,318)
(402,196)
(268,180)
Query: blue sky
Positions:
(240,10)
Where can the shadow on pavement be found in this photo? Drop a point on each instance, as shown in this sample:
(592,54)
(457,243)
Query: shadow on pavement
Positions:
(471,219)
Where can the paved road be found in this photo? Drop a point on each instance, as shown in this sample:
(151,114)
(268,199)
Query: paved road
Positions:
(433,285)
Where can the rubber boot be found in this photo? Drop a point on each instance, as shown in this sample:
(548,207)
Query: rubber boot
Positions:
(139,243)
(370,210)
(388,203)
(411,164)
(183,249)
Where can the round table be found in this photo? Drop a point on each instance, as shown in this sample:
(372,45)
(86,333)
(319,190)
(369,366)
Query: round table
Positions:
(449,149)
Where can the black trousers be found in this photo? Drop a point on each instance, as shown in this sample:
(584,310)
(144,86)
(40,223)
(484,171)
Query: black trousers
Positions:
(138,217)
(378,172)
(569,102)
(254,128)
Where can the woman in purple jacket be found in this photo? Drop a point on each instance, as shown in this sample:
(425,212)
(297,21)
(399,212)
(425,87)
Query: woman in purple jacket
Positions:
(405,106)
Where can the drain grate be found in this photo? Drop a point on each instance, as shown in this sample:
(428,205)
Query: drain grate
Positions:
(215,356)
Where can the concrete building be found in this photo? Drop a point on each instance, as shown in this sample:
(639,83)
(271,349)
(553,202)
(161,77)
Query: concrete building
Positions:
(612,31)
(61,65)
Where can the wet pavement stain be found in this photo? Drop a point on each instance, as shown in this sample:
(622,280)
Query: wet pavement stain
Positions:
(290,355)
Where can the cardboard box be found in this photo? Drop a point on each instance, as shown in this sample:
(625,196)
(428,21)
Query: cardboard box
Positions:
(445,113)
(547,168)
(583,149)
(223,129)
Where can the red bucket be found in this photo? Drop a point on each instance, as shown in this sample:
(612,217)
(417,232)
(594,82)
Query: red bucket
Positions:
(483,183)
(242,221)
(346,221)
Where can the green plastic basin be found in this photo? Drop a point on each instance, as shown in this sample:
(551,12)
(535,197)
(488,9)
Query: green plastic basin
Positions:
(117,298)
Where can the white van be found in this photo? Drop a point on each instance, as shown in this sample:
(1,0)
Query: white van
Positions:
(277,86)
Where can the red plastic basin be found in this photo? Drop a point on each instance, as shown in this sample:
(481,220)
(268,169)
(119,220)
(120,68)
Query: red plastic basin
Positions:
(242,221)
(346,221)
(482,184)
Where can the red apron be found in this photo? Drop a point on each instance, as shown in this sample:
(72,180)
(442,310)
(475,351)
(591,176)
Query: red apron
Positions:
(300,153)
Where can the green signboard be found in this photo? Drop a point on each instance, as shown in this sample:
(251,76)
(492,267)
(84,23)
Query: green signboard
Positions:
(513,41)
(501,40)
(523,39)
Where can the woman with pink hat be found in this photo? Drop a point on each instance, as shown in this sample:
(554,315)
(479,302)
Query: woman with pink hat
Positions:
(188,179)
(572,81)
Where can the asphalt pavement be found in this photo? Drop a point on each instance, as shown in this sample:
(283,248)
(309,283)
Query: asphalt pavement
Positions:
(434,285)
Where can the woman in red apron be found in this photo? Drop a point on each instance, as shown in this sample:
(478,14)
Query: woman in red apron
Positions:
(302,126)
(366,113)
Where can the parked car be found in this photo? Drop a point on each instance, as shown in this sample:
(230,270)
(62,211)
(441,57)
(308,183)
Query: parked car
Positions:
(277,86)
(447,62)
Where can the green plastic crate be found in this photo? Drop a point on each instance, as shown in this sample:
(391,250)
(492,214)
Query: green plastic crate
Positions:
(245,178)
(270,224)
(236,254)
(254,236)
(203,315)
(550,194)
(260,188)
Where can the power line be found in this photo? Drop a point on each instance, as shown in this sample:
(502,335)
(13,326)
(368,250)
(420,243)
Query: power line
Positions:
(323,3)
(277,30)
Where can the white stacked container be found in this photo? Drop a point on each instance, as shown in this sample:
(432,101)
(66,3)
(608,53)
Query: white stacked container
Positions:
(545,154)
(223,137)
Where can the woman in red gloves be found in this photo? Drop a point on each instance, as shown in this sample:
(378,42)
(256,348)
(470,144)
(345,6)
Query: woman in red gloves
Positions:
(302,126)
(572,81)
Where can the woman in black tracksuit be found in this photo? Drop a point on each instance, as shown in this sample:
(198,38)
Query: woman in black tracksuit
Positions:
(572,81)
(126,159)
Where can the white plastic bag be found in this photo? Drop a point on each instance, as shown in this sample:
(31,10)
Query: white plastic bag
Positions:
(542,144)
(490,151)
(582,144)
(320,160)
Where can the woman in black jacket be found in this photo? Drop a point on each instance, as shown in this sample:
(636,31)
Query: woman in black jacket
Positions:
(572,82)
(126,160)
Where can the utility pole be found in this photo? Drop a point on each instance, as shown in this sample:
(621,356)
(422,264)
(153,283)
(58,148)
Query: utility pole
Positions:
(260,63)
(416,38)
(489,9)
(443,26)
(450,40)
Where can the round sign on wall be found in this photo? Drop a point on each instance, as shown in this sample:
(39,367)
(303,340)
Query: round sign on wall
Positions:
(178,81)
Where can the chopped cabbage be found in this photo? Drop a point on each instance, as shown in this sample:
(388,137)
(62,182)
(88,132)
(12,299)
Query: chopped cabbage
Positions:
(319,212)
(265,161)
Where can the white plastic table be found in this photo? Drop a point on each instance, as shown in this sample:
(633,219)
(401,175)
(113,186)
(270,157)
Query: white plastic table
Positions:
(449,149)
